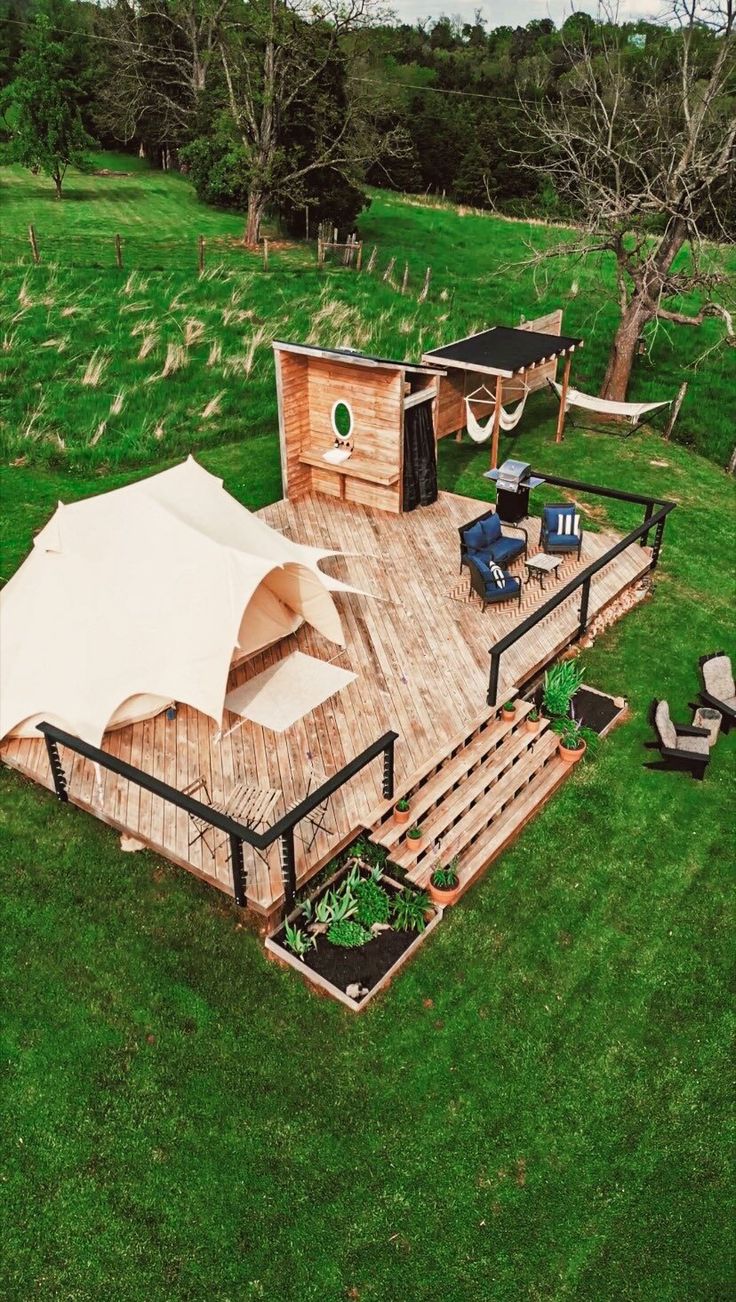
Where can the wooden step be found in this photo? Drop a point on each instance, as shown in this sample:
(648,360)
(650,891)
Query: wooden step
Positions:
(455,771)
(469,809)
(435,761)
(482,852)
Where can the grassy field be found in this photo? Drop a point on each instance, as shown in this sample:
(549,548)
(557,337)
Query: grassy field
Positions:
(538,1108)
(103,367)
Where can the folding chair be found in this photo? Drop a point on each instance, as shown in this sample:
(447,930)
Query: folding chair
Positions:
(316,820)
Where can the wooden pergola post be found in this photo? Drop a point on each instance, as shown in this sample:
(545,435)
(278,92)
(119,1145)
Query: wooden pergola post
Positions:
(563,400)
(496,423)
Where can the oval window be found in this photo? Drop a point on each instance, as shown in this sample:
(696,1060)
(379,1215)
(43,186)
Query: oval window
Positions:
(342,419)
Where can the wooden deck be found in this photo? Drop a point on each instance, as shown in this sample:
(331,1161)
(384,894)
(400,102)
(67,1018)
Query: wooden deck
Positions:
(419,648)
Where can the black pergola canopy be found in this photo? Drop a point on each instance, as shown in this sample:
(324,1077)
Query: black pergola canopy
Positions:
(503,351)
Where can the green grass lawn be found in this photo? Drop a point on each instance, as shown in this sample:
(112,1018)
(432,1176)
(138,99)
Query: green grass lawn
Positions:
(537,1108)
(84,346)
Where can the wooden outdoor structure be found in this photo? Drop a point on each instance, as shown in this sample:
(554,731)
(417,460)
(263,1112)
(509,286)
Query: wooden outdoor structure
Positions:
(512,363)
(419,648)
(310,383)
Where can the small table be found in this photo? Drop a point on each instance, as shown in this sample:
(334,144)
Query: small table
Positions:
(710,720)
(541,565)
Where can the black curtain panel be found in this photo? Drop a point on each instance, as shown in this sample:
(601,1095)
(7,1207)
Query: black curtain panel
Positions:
(420,457)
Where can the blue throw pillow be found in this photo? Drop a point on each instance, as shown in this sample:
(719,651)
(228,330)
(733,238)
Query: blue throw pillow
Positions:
(474,538)
(491,527)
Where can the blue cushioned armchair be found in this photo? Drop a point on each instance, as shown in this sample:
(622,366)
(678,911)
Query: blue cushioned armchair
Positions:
(483,539)
(487,585)
(550,539)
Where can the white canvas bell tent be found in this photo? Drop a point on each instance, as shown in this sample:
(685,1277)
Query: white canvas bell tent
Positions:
(147,595)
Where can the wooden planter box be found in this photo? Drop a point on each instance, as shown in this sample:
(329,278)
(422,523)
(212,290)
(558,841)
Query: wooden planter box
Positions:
(276,948)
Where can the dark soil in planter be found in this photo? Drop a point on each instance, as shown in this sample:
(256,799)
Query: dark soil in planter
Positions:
(594,710)
(366,964)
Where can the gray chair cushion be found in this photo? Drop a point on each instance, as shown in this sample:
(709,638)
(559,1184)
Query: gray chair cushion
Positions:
(664,725)
(718,678)
(698,745)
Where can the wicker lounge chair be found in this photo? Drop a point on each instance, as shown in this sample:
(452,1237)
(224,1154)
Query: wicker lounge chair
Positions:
(558,541)
(719,691)
(492,585)
(483,539)
(680,747)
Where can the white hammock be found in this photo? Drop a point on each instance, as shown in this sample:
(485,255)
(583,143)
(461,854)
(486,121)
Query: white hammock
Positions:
(631,411)
(509,419)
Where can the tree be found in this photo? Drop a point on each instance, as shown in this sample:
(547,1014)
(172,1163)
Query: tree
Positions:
(272,62)
(41,107)
(642,144)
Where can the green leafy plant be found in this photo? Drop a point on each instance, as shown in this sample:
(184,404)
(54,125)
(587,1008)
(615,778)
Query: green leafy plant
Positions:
(373,902)
(297,940)
(533,715)
(572,734)
(445,878)
(561,682)
(307,910)
(414,833)
(347,934)
(341,903)
(403,805)
(408,910)
(509,707)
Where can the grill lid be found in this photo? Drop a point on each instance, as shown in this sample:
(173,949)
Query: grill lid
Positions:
(512,474)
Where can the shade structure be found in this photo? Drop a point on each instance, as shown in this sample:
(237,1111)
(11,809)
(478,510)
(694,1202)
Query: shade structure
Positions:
(503,351)
(146,595)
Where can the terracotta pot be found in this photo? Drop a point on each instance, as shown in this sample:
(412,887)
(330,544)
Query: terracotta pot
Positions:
(442,897)
(508,714)
(415,841)
(401,815)
(571,756)
(532,725)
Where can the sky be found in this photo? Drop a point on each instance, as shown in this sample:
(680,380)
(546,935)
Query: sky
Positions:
(514,13)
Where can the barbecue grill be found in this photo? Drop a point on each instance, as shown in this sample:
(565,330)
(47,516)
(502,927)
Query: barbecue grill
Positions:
(513,481)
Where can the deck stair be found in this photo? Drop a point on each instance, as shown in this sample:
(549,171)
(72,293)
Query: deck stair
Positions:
(474,800)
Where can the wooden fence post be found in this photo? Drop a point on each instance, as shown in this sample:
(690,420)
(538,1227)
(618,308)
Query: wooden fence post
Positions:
(306,219)
(200,253)
(675,410)
(265,255)
(425,286)
(372,259)
(34,244)
(118,252)
(405,278)
(388,273)
(359,259)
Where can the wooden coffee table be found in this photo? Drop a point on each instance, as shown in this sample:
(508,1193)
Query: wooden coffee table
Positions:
(541,565)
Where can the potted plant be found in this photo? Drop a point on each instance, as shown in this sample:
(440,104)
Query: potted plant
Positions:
(574,739)
(444,884)
(414,835)
(533,720)
(509,709)
(401,810)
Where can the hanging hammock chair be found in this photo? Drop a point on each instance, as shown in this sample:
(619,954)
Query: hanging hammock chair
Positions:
(509,419)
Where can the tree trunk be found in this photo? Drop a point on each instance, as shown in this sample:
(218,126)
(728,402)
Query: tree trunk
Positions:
(623,351)
(57,185)
(256,204)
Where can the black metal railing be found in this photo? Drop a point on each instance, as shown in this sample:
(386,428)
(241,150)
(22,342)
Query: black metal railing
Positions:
(282,830)
(653,519)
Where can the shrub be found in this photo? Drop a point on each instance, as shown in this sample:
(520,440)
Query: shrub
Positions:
(561,682)
(408,910)
(373,903)
(348,934)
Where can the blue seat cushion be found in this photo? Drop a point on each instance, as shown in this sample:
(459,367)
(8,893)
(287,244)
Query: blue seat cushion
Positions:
(570,540)
(491,527)
(505,549)
(493,591)
(474,538)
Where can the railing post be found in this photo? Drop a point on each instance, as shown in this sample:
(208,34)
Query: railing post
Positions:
(288,869)
(493,680)
(648,511)
(238,869)
(584,602)
(57,769)
(658,543)
(388,770)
